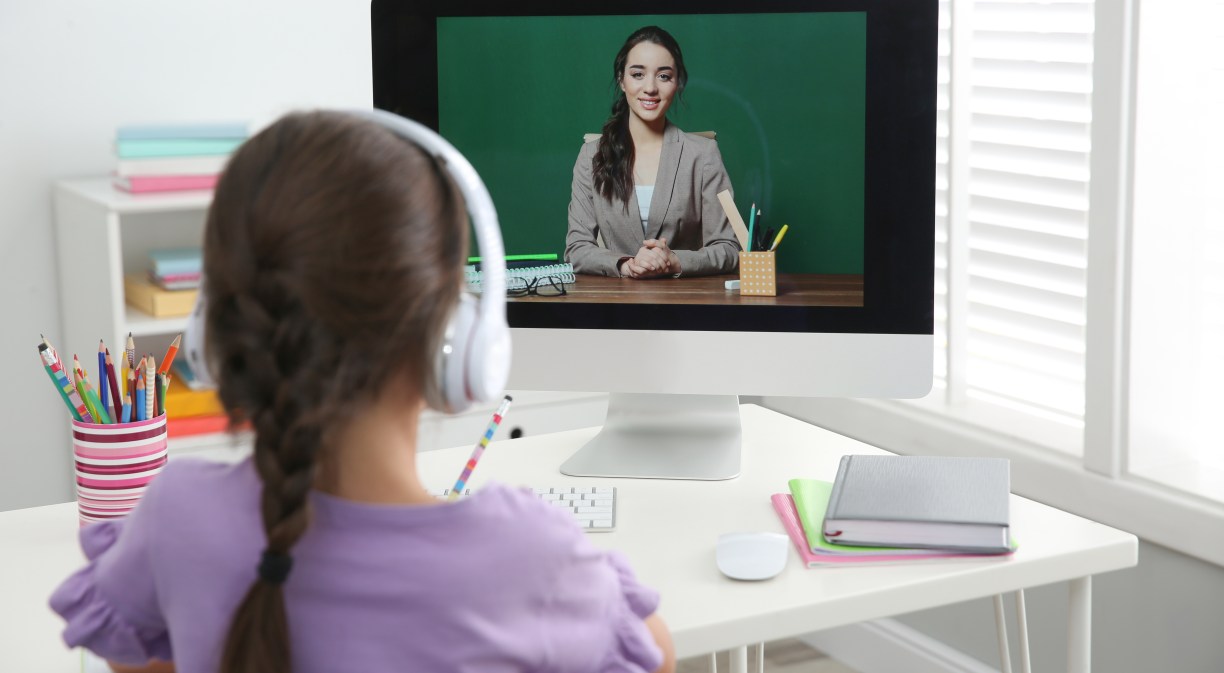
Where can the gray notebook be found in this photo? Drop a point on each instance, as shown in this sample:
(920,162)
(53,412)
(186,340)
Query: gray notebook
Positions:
(921,501)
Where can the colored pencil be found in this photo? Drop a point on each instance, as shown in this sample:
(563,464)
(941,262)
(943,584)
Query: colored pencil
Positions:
(751,225)
(80,388)
(131,352)
(480,447)
(160,407)
(70,388)
(47,355)
(127,412)
(131,394)
(103,378)
(170,353)
(140,399)
(100,413)
(116,396)
(150,387)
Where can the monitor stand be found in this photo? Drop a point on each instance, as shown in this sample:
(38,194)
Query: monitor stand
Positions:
(656,436)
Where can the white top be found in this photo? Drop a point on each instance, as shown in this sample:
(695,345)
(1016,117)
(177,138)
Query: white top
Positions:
(644,195)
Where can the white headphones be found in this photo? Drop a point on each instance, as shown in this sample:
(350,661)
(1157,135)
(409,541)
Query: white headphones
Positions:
(473,362)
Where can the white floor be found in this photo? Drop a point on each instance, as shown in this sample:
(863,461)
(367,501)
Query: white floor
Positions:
(783,656)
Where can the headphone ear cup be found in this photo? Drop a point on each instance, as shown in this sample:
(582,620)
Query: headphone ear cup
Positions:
(193,342)
(488,360)
(449,390)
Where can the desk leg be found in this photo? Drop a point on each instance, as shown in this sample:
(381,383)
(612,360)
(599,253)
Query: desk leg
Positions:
(739,660)
(1079,627)
(1001,634)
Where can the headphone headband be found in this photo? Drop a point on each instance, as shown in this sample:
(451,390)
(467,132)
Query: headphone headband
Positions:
(476,196)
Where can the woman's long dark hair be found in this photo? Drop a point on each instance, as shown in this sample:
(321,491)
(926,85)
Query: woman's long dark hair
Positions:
(612,166)
(333,256)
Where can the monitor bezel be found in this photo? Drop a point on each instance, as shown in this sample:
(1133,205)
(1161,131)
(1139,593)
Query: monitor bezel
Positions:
(899,180)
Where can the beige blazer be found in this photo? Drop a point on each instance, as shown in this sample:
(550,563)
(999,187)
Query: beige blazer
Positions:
(684,209)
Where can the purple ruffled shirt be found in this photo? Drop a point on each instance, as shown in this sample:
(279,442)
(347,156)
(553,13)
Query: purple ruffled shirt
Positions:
(498,581)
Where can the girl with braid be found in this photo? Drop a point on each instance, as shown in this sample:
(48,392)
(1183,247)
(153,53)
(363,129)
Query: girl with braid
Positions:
(333,255)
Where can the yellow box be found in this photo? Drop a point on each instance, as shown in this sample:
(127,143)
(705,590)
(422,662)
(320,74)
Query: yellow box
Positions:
(140,293)
(182,401)
(758,274)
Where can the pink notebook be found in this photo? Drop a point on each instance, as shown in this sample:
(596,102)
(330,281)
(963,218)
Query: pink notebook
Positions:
(784,505)
(138,184)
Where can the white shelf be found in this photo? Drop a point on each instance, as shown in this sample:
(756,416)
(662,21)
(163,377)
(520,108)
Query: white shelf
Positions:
(140,323)
(101,192)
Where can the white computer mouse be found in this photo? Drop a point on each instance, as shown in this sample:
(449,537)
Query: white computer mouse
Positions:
(752,556)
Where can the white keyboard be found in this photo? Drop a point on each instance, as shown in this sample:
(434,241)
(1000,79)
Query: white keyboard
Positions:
(593,507)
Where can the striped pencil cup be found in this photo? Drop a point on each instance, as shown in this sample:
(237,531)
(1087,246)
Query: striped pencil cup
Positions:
(758,274)
(114,465)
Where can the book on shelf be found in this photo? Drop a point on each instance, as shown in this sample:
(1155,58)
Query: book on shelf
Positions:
(167,262)
(143,184)
(935,502)
(175,147)
(167,166)
(180,281)
(140,293)
(182,130)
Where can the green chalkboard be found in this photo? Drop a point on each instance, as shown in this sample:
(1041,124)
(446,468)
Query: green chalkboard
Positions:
(786,94)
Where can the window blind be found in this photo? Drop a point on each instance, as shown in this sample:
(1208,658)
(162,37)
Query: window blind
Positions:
(1026,142)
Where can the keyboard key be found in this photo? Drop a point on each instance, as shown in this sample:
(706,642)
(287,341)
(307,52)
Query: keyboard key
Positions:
(593,507)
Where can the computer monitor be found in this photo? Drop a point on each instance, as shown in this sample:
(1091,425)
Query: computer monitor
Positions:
(824,118)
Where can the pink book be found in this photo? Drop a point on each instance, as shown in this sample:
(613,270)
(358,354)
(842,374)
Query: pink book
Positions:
(784,505)
(139,184)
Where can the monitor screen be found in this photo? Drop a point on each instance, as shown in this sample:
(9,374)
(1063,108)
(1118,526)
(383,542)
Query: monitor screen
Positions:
(644,159)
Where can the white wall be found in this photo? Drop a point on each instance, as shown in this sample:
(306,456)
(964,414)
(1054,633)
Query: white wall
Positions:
(70,72)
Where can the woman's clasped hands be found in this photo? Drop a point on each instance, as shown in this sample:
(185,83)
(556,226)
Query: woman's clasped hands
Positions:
(653,260)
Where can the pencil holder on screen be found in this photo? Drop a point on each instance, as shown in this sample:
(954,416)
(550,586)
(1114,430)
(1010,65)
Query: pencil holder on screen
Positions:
(758,274)
(114,465)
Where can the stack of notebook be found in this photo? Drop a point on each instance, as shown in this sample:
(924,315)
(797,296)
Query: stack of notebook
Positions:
(900,508)
(174,157)
(176,268)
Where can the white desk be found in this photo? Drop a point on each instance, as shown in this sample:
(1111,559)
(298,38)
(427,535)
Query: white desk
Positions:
(668,529)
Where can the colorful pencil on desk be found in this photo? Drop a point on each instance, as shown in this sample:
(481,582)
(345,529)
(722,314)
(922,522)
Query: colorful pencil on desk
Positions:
(102,375)
(150,387)
(50,363)
(170,353)
(480,447)
(117,397)
(140,400)
(101,415)
(778,240)
(751,226)
(160,407)
(131,395)
(80,388)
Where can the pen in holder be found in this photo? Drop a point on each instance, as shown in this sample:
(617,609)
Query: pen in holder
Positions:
(114,465)
(758,274)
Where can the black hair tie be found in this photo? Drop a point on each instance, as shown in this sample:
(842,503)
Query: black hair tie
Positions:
(274,567)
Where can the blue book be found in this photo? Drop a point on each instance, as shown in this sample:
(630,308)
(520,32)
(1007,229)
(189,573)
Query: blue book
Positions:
(175,261)
(226,130)
(189,147)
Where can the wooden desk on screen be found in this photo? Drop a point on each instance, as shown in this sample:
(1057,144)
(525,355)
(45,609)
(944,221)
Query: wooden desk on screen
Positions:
(794,289)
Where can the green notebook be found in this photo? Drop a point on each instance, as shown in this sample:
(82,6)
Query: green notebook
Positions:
(811,500)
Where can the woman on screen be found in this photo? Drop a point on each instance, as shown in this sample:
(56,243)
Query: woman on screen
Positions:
(648,189)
